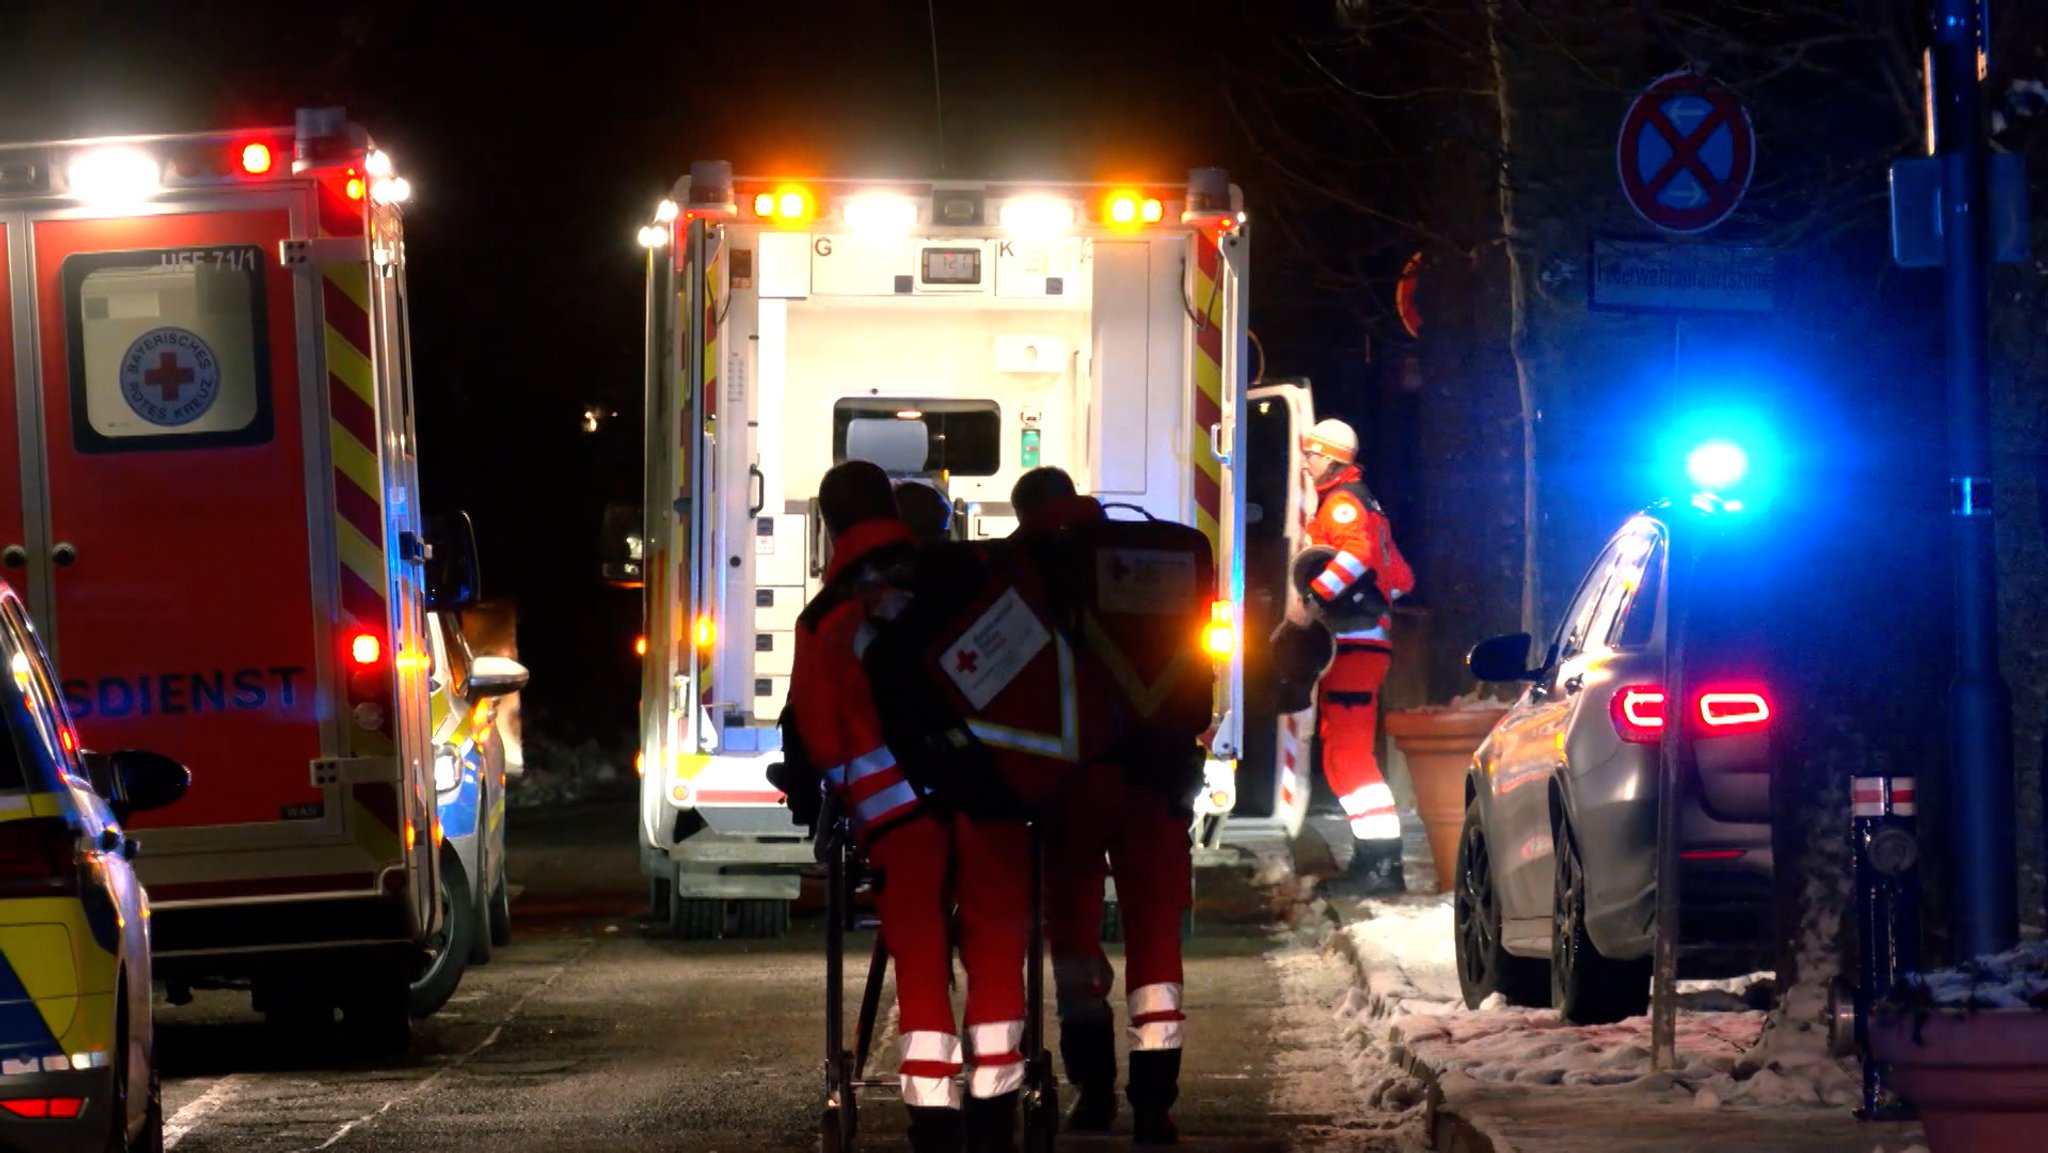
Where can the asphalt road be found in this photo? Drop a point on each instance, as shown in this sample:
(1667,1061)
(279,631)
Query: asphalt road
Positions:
(595,1032)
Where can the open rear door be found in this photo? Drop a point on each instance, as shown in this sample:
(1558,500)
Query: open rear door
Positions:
(1272,777)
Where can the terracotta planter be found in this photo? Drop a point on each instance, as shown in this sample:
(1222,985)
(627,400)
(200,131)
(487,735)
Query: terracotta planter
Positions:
(1979,1078)
(1438,744)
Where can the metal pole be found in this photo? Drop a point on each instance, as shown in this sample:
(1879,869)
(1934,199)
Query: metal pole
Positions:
(1670,802)
(1985,913)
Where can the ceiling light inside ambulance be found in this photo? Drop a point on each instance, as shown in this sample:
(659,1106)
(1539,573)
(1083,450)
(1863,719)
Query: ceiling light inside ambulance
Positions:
(879,213)
(256,158)
(113,174)
(1033,214)
(909,414)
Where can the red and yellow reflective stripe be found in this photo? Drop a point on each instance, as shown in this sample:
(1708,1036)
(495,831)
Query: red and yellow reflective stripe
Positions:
(1207,296)
(712,270)
(353,438)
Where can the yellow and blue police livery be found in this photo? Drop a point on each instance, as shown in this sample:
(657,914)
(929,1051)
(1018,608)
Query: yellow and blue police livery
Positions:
(469,818)
(77,1046)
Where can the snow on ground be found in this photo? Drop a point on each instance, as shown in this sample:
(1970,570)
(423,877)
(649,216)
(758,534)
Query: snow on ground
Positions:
(1410,1005)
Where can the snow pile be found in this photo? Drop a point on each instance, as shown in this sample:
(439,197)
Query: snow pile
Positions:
(1409,1007)
(558,774)
(2014,979)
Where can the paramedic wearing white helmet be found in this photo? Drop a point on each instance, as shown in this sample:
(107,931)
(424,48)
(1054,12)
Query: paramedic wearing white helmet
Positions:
(1349,520)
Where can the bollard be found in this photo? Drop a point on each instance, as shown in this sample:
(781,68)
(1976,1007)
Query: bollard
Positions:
(1882,819)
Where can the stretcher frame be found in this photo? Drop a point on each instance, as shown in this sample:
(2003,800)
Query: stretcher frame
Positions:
(846,1069)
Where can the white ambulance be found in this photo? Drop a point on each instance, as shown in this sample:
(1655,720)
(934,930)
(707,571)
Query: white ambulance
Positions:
(215,518)
(956,332)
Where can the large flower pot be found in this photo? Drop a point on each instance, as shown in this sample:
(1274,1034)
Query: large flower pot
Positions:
(1979,1077)
(1438,745)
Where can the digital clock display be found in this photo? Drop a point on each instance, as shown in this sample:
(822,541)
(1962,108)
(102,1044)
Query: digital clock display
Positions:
(952,266)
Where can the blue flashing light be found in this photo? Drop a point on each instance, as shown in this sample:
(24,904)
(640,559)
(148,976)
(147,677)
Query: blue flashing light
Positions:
(1717,466)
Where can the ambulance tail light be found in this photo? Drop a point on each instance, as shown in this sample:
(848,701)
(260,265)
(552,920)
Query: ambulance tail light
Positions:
(706,633)
(1132,209)
(1220,638)
(365,649)
(38,858)
(256,158)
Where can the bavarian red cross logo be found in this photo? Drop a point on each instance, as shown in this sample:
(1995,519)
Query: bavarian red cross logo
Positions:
(1686,153)
(170,377)
(967,660)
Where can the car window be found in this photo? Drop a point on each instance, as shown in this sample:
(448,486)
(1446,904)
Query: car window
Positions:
(17,727)
(1638,621)
(48,725)
(1578,619)
(1628,557)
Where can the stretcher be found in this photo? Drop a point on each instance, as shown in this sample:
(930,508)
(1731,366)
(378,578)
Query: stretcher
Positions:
(846,1075)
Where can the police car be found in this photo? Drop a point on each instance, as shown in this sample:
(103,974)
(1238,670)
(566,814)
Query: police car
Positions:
(77,1046)
(469,819)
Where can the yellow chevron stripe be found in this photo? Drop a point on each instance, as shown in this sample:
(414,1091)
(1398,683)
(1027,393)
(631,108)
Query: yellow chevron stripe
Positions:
(353,280)
(1146,697)
(356,460)
(367,831)
(351,366)
(359,556)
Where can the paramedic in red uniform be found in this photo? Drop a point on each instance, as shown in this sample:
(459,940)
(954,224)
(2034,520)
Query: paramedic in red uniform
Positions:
(928,859)
(1349,520)
(1106,823)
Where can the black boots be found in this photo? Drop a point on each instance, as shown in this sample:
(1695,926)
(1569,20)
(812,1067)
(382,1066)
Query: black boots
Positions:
(934,1130)
(991,1124)
(1089,1052)
(1375,870)
(1155,1085)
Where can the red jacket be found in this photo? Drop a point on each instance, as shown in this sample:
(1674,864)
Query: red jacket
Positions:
(1364,541)
(835,709)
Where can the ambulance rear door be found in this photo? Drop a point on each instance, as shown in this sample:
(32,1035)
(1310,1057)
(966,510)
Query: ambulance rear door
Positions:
(167,546)
(1273,780)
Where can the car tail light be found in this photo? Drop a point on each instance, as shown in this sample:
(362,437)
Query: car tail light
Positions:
(1726,712)
(59,1107)
(1640,711)
(38,857)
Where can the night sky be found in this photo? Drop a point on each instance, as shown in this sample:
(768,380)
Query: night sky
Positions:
(536,148)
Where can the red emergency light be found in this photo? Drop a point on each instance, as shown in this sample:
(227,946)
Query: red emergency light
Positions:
(256,158)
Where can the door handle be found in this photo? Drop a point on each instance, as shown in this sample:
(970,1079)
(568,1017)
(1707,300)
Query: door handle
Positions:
(757,481)
(14,556)
(64,555)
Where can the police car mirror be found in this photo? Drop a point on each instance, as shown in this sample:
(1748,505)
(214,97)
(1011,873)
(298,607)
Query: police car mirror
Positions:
(451,569)
(145,781)
(496,676)
(1501,659)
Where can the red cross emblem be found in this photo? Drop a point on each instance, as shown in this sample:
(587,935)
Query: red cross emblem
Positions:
(966,661)
(168,375)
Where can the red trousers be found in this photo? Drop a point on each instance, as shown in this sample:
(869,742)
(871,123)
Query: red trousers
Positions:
(928,865)
(1347,721)
(1102,825)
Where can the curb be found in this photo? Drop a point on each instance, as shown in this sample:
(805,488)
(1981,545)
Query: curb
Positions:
(1449,1131)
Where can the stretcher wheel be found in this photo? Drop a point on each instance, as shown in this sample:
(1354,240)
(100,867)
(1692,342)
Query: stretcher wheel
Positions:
(762,920)
(835,1130)
(1041,1106)
(697,918)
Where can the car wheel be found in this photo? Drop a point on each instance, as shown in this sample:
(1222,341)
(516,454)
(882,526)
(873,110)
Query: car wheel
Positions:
(501,911)
(449,950)
(151,1139)
(1585,987)
(1485,967)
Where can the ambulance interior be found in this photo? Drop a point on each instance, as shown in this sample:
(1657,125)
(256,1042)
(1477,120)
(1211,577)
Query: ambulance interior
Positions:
(1066,352)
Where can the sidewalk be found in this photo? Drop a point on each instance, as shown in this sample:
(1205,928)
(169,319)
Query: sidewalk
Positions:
(1512,1080)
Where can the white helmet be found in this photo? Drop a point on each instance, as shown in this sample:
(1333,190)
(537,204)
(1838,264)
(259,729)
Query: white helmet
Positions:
(1334,439)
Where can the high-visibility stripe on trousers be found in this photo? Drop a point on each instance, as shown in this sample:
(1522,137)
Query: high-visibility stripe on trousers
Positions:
(1156,1018)
(1347,722)
(996,1055)
(929,1062)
